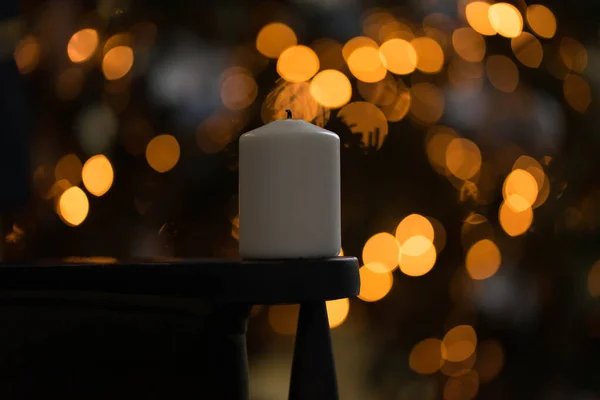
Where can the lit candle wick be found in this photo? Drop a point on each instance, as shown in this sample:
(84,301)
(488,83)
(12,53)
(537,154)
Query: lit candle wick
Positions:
(289,114)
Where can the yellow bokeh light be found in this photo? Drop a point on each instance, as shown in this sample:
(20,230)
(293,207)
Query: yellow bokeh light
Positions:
(421,263)
(117,62)
(532,166)
(162,153)
(513,222)
(438,139)
(469,44)
(506,19)
(463,158)
(27,54)
(297,98)
(283,319)
(274,38)
(477,14)
(381,252)
(541,21)
(415,246)
(73,206)
(427,103)
(366,120)
(331,88)
(462,387)
(426,356)
(398,56)
(528,50)
(329,52)
(98,175)
(238,88)
(490,360)
(337,311)
(459,343)
(374,286)
(573,54)
(578,93)
(593,282)
(522,183)
(430,56)
(69,168)
(502,73)
(297,64)
(414,225)
(483,260)
(82,45)
(356,43)
(365,64)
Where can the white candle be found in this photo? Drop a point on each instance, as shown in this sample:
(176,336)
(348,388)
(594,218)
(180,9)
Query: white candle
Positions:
(289,191)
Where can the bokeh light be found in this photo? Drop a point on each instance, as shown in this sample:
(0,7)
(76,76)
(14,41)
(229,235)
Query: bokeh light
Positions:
(541,21)
(331,88)
(381,253)
(82,45)
(162,153)
(427,103)
(463,158)
(477,14)
(283,319)
(514,222)
(238,88)
(297,98)
(98,175)
(367,120)
(73,206)
(297,64)
(356,43)
(483,260)
(217,131)
(593,280)
(438,139)
(506,19)
(337,311)
(459,343)
(418,256)
(380,93)
(27,54)
(117,62)
(374,286)
(414,225)
(426,356)
(502,73)
(430,56)
(464,75)
(365,64)
(274,38)
(490,360)
(520,182)
(469,44)
(528,49)
(69,168)
(398,109)
(463,387)
(398,56)
(578,93)
(573,54)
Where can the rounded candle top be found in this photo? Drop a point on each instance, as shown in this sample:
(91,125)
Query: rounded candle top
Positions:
(288,125)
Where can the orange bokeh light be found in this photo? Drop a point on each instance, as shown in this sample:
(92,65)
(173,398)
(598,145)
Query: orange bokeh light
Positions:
(117,62)
(374,286)
(483,260)
(274,38)
(398,56)
(331,88)
(297,64)
(430,56)
(82,45)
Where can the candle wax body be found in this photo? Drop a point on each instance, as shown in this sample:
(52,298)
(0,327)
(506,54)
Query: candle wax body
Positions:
(289,191)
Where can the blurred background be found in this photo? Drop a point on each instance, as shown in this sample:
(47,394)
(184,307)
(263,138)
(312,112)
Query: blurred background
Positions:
(470,169)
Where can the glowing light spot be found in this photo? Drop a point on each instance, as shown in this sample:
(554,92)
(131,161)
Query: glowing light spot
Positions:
(578,93)
(337,311)
(69,83)
(532,166)
(528,50)
(238,88)
(459,343)
(506,19)
(522,183)
(367,120)
(414,225)
(355,44)
(398,56)
(490,360)
(218,130)
(463,387)
(398,109)
(297,64)
(329,52)
(274,38)
(374,286)
(541,21)
(468,44)
(513,222)
(69,168)
(426,356)
(365,64)
(117,62)
(27,54)
(438,139)
(395,30)
(463,158)
(573,54)
(283,319)
(331,88)
(82,45)
(297,98)
(381,253)
(98,175)
(430,56)
(502,73)
(162,153)
(477,14)
(427,103)
(483,260)
(422,262)
(73,206)
(374,20)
